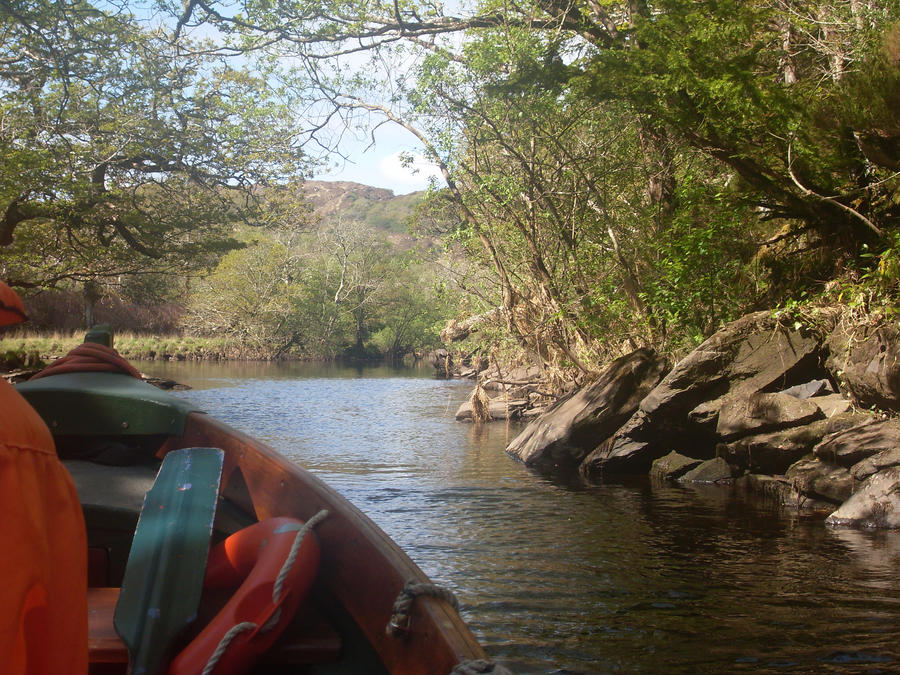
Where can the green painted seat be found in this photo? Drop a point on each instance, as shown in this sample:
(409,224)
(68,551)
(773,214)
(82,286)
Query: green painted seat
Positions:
(105,404)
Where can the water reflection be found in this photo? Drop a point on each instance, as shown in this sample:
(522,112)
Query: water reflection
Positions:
(552,576)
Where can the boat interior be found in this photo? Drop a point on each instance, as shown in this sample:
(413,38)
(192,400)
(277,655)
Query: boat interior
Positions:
(111,433)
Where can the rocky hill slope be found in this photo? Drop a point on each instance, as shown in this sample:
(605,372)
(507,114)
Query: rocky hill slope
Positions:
(377,207)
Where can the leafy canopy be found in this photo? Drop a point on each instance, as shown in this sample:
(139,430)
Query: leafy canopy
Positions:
(121,147)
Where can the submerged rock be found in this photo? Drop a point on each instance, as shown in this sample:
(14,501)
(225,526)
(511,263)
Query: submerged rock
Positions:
(441,361)
(780,490)
(774,452)
(672,466)
(164,383)
(812,478)
(756,400)
(500,409)
(714,470)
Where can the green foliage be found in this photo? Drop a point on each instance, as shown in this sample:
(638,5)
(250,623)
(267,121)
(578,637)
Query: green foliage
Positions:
(700,277)
(878,275)
(411,314)
(332,291)
(249,298)
(123,151)
(623,173)
(392,215)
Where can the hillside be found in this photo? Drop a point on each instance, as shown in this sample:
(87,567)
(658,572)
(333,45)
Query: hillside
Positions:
(377,207)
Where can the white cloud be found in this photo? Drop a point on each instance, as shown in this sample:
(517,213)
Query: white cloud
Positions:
(381,165)
(408,176)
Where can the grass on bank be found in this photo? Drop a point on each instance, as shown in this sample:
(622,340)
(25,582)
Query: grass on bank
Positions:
(131,346)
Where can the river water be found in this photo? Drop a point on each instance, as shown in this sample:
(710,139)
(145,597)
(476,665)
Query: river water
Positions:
(566,578)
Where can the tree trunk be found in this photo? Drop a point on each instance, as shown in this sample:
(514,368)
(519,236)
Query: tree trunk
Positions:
(91,293)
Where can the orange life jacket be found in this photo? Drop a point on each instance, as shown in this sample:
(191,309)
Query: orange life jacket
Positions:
(11,308)
(43,550)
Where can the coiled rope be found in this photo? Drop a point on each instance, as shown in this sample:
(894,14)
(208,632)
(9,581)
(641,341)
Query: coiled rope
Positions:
(398,626)
(277,591)
(479,666)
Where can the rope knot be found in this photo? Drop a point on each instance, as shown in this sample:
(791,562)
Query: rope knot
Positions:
(479,666)
(399,625)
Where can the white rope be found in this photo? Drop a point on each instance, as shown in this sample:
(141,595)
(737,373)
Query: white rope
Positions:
(292,556)
(224,642)
(398,626)
(234,631)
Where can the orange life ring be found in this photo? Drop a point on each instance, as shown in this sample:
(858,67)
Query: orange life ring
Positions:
(258,612)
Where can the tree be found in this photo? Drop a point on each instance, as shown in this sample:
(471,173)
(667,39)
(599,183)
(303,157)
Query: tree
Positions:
(411,310)
(251,297)
(590,148)
(123,150)
(740,82)
(351,271)
(337,290)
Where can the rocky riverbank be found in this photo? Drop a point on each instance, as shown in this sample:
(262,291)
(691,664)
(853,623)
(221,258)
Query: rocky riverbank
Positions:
(804,412)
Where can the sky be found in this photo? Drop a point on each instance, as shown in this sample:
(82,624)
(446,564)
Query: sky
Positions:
(380,165)
(376,164)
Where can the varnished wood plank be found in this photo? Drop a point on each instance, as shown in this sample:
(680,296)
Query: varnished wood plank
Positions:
(104,645)
(308,639)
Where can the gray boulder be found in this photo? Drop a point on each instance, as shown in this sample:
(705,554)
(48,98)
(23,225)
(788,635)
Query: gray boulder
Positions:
(810,389)
(878,462)
(672,466)
(832,404)
(500,409)
(865,360)
(632,450)
(713,470)
(524,374)
(573,426)
(847,420)
(814,479)
(753,354)
(776,488)
(849,446)
(780,490)
(441,361)
(761,412)
(876,504)
(774,452)
(750,355)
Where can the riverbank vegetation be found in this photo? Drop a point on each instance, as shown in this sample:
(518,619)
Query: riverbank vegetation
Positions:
(31,350)
(617,174)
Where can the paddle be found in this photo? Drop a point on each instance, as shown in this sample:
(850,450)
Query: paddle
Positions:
(164,575)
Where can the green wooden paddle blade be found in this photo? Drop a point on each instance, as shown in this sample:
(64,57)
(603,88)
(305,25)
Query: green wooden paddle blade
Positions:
(164,575)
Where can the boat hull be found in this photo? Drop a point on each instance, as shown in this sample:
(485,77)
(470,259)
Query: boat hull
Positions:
(100,419)
(362,568)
